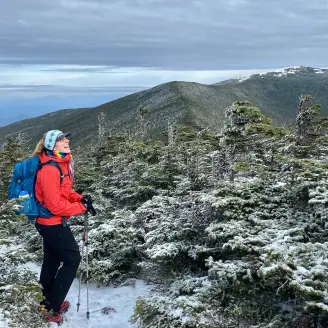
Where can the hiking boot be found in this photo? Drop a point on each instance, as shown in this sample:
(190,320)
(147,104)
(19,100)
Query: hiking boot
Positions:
(51,316)
(64,307)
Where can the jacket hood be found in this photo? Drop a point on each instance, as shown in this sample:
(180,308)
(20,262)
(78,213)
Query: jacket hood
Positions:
(44,158)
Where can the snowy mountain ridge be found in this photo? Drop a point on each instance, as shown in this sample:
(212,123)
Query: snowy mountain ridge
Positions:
(284,72)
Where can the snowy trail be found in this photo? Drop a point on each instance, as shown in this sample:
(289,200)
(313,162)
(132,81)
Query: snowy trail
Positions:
(122,299)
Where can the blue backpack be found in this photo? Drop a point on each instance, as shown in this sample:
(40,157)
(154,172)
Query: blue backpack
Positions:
(22,186)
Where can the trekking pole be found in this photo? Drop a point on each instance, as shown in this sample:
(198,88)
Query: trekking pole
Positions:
(82,265)
(87,261)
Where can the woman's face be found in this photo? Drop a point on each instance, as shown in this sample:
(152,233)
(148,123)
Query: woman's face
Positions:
(62,146)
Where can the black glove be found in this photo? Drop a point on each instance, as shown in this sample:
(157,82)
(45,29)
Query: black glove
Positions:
(87,202)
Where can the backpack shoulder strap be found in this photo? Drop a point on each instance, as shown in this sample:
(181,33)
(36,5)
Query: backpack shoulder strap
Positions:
(55,164)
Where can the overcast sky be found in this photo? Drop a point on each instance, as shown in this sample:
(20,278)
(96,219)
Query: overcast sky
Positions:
(65,47)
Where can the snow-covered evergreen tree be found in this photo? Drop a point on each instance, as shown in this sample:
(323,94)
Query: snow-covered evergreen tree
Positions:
(20,292)
(102,123)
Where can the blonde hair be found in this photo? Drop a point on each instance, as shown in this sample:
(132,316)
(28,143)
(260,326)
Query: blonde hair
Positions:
(39,149)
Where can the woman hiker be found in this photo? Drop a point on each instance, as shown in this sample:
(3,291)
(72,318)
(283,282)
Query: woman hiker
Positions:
(53,190)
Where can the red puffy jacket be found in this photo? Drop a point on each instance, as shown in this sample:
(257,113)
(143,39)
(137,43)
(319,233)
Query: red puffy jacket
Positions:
(60,200)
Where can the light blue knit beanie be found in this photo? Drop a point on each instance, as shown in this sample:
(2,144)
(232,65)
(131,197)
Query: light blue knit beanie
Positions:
(52,136)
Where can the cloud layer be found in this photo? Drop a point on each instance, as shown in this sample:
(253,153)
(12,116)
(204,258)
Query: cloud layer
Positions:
(99,48)
(40,80)
(165,34)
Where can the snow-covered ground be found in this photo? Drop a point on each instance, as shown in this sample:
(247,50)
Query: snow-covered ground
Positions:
(122,299)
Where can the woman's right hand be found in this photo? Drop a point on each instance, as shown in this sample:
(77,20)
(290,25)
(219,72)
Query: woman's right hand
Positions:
(86,200)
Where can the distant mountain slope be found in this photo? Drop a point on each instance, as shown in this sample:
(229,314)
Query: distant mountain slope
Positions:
(276,93)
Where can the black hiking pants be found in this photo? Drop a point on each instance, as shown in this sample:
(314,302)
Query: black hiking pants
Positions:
(59,246)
